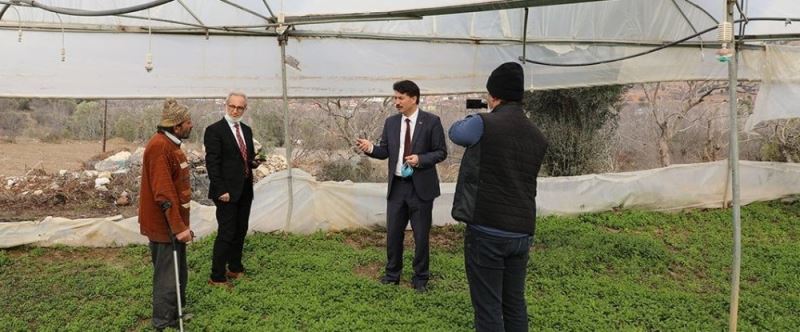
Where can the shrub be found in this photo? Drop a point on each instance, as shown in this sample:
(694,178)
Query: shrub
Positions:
(579,123)
(343,170)
(87,121)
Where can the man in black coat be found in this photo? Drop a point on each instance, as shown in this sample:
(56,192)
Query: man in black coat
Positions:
(414,143)
(230,161)
(496,197)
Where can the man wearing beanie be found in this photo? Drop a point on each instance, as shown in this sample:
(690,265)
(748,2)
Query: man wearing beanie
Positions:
(164,198)
(230,159)
(413,141)
(495,197)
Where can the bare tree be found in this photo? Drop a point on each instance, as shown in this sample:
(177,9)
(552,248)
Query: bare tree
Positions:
(353,118)
(325,130)
(672,121)
(782,141)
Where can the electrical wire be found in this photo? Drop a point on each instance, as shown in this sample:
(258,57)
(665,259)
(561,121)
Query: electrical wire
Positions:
(82,12)
(550,64)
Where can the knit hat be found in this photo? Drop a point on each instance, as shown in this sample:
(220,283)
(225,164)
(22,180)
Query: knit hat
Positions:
(173,113)
(507,82)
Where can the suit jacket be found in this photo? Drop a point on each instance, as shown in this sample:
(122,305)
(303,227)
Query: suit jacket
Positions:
(224,162)
(427,142)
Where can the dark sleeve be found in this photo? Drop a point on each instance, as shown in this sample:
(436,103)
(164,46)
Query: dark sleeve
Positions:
(438,146)
(213,144)
(381,150)
(251,150)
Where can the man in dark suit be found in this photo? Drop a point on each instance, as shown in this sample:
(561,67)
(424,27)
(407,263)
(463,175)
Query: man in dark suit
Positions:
(230,159)
(414,142)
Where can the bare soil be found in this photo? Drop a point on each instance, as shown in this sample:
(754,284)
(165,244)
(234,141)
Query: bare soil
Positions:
(25,154)
(75,197)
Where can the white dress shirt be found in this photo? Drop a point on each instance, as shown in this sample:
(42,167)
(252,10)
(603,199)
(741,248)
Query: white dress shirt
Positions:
(403,127)
(233,130)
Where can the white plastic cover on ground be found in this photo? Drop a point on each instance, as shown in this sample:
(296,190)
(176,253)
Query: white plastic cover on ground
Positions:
(333,206)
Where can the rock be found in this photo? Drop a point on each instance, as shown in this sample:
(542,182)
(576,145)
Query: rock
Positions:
(58,199)
(104,175)
(54,186)
(274,163)
(62,172)
(101,188)
(89,173)
(101,182)
(137,156)
(124,199)
(38,192)
(195,157)
(113,163)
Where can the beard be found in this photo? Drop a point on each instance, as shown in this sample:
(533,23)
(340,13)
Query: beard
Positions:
(233,119)
(184,135)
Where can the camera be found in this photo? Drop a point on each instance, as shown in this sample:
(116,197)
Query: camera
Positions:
(476,104)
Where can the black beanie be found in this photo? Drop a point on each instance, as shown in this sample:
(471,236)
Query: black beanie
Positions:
(507,82)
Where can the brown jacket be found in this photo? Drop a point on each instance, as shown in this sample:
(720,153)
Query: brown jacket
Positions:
(165,177)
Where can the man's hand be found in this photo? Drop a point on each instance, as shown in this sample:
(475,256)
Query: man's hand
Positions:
(364,145)
(185,236)
(226,197)
(256,162)
(412,160)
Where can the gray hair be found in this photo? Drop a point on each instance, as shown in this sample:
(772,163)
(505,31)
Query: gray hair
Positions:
(236,93)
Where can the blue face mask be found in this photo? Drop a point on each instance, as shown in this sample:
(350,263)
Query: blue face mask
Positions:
(406,170)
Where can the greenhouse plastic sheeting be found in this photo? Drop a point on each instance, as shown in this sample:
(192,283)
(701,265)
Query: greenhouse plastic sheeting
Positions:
(779,93)
(333,206)
(327,67)
(104,59)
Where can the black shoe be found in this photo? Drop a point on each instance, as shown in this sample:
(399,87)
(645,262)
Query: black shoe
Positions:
(386,281)
(421,286)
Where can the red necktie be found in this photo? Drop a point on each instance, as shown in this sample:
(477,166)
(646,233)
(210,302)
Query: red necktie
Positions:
(407,141)
(242,148)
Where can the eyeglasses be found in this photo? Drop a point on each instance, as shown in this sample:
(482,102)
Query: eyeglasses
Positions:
(238,108)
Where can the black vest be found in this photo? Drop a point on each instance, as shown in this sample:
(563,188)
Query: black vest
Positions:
(497,180)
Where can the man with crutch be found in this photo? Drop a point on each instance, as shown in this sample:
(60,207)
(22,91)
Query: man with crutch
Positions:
(164,199)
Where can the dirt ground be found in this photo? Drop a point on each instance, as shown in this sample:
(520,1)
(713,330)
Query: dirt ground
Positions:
(18,158)
(75,199)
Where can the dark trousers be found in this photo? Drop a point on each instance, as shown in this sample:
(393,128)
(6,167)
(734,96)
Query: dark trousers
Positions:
(404,204)
(165,301)
(496,269)
(232,221)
